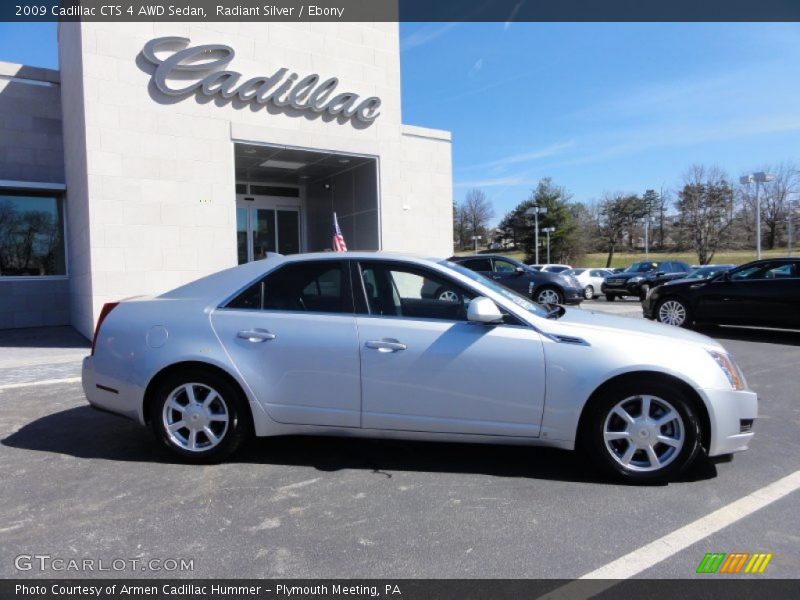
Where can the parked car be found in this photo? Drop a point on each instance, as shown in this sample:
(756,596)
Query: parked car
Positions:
(762,292)
(266,349)
(542,286)
(555,268)
(590,279)
(639,277)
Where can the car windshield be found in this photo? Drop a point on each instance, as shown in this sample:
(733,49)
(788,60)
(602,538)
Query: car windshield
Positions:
(641,267)
(518,299)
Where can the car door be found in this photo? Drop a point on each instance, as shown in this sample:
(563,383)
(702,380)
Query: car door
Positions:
(506,273)
(735,298)
(424,367)
(293,338)
(774,295)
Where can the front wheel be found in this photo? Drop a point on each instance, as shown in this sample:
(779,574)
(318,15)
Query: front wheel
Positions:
(200,416)
(673,311)
(549,295)
(610,297)
(588,292)
(642,432)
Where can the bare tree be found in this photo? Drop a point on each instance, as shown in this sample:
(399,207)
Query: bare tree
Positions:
(478,211)
(706,209)
(616,214)
(775,198)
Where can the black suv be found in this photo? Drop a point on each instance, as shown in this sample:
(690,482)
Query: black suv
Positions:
(638,278)
(540,286)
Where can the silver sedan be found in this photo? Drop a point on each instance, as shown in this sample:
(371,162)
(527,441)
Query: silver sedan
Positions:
(347,344)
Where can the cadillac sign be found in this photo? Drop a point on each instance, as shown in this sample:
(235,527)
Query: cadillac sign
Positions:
(201,69)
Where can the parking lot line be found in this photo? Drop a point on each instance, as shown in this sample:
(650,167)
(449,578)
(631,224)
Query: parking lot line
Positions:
(13,386)
(653,553)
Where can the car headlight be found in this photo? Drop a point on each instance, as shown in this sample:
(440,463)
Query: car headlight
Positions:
(729,367)
(636,279)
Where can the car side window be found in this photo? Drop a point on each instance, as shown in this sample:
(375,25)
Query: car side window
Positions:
(412,292)
(320,286)
(504,266)
(597,273)
(479,265)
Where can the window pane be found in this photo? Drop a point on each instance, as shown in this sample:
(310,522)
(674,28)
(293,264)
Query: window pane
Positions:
(31,236)
(503,266)
(312,287)
(413,293)
(263,233)
(241,234)
(481,264)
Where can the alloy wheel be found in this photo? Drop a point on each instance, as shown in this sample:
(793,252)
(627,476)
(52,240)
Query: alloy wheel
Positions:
(195,417)
(448,296)
(548,296)
(672,312)
(644,433)
(588,292)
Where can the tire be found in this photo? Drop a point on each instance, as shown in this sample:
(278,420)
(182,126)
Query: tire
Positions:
(673,311)
(446,295)
(588,292)
(643,292)
(219,429)
(610,297)
(549,295)
(624,448)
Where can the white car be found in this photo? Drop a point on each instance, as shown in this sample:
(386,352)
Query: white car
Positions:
(590,279)
(346,344)
(552,268)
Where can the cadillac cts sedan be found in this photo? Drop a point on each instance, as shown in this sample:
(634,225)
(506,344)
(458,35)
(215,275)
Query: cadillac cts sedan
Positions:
(346,344)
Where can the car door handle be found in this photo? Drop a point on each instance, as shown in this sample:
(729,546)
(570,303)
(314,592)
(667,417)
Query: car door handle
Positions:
(386,345)
(256,335)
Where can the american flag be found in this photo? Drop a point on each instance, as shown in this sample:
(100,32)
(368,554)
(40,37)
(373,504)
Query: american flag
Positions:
(338,238)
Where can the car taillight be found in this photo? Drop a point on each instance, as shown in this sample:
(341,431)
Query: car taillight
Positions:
(107,308)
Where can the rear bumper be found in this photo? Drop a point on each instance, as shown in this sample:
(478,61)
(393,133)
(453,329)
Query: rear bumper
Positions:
(107,394)
(573,296)
(729,411)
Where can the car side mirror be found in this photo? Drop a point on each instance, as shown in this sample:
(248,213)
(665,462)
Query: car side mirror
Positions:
(484,310)
(520,270)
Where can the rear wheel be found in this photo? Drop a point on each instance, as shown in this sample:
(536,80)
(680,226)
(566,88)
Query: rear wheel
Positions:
(446,295)
(588,292)
(642,432)
(200,416)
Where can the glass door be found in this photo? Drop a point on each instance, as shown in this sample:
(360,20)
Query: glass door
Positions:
(263,226)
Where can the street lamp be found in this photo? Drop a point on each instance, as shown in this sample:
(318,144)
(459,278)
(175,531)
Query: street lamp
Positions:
(535,211)
(548,231)
(759,177)
(475,239)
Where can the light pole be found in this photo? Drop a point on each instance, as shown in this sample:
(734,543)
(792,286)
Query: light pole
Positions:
(548,231)
(475,239)
(536,210)
(759,177)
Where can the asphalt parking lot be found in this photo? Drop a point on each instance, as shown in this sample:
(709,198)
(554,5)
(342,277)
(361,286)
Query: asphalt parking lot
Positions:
(82,484)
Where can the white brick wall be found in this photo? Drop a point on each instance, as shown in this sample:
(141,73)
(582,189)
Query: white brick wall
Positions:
(157,205)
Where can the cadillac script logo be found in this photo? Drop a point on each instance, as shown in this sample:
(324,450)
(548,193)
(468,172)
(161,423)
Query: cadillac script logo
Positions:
(202,68)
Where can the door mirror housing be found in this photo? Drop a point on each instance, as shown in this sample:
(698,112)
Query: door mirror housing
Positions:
(484,310)
(520,270)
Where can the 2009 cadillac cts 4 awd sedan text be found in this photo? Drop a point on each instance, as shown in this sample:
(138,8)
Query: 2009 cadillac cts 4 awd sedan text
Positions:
(346,344)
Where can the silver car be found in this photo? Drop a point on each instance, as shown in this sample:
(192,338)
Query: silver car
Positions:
(347,344)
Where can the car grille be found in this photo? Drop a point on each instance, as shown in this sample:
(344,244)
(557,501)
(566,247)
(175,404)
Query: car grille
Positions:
(615,281)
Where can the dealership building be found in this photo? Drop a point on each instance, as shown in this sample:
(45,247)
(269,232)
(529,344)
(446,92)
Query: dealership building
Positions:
(161,152)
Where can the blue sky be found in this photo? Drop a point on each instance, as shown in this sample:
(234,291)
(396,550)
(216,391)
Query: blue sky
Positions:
(598,107)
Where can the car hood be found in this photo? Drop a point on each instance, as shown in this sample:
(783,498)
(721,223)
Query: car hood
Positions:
(582,323)
(629,275)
